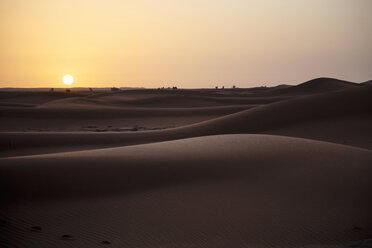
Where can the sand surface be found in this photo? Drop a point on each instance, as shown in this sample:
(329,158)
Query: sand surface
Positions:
(288,166)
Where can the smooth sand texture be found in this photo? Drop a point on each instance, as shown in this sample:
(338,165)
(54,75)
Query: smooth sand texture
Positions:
(353,106)
(318,85)
(204,180)
(226,190)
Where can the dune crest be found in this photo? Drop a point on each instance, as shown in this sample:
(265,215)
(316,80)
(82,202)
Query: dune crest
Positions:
(230,188)
(349,109)
(285,166)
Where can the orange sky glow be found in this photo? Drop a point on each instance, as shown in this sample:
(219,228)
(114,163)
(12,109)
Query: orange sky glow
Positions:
(193,43)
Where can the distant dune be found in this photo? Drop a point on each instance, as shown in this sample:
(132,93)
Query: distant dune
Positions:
(31,98)
(318,85)
(368,82)
(285,166)
(332,113)
(157,99)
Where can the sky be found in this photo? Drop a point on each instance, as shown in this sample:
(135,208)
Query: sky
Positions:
(187,43)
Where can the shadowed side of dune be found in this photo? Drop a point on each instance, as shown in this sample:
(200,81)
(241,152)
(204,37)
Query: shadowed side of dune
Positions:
(161,101)
(315,107)
(351,103)
(317,85)
(112,113)
(89,171)
(28,98)
(369,82)
(106,119)
(201,192)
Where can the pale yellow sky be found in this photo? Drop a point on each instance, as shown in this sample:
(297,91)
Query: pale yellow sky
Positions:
(188,43)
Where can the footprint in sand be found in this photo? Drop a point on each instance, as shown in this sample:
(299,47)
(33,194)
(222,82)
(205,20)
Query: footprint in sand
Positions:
(36,229)
(66,237)
(105,242)
(2,223)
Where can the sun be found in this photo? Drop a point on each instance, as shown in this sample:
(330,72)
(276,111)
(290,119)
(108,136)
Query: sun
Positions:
(68,79)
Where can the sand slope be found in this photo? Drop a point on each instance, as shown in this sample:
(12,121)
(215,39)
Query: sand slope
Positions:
(78,118)
(220,191)
(163,101)
(204,168)
(350,109)
(31,99)
(317,85)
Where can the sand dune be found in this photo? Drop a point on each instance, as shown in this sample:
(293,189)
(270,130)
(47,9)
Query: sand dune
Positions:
(88,169)
(159,100)
(318,85)
(30,98)
(223,191)
(369,82)
(76,119)
(291,112)
(353,106)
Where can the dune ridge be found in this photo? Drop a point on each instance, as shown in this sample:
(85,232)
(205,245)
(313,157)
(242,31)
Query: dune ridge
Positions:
(354,104)
(308,196)
(317,85)
(267,167)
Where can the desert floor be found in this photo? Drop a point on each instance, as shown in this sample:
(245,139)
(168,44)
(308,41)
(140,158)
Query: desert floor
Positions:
(285,166)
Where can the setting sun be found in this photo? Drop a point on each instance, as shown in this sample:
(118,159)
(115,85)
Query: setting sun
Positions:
(68,79)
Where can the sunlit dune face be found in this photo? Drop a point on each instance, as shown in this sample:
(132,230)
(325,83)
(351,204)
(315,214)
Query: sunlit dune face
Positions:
(68,79)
